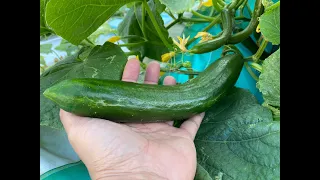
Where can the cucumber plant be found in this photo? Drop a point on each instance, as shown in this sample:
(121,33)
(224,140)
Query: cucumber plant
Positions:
(87,82)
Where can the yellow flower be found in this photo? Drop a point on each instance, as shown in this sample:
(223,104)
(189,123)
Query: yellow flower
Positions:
(258,28)
(182,43)
(167,56)
(208,3)
(114,39)
(137,57)
(204,36)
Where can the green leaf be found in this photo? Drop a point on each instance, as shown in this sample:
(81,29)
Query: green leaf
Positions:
(130,5)
(67,47)
(45,48)
(75,20)
(202,174)
(160,7)
(272,6)
(154,44)
(275,111)
(85,51)
(267,3)
(42,61)
(104,62)
(177,6)
(239,140)
(43,25)
(270,25)
(129,26)
(154,48)
(269,79)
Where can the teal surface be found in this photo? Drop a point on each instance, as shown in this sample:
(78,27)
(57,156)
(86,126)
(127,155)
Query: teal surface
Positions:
(74,171)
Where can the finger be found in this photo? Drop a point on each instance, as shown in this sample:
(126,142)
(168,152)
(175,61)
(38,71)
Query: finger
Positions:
(169,80)
(131,70)
(70,120)
(146,127)
(152,73)
(192,125)
(170,123)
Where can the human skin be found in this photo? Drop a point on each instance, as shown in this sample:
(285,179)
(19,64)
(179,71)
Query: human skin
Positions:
(134,151)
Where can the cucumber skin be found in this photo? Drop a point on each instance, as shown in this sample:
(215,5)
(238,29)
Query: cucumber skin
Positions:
(120,101)
(211,45)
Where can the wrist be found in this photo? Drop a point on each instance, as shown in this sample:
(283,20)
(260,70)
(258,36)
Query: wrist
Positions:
(128,175)
(125,169)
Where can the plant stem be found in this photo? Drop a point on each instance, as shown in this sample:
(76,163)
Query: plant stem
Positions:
(143,21)
(259,41)
(87,42)
(256,66)
(170,14)
(231,47)
(243,4)
(191,76)
(90,42)
(132,44)
(133,36)
(132,53)
(54,52)
(242,18)
(202,16)
(247,59)
(241,8)
(211,11)
(181,71)
(273,6)
(182,57)
(188,72)
(221,3)
(258,54)
(216,5)
(215,21)
(233,4)
(140,25)
(195,20)
(239,4)
(155,43)
(252,74)
(155,24)
(173,23)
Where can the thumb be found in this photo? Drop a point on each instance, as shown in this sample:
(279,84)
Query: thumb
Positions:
(75,126)
(71,121)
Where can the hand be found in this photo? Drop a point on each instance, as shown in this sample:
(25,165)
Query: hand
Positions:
(134,151)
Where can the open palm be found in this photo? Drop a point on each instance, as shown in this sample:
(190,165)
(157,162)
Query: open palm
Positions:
(134,151)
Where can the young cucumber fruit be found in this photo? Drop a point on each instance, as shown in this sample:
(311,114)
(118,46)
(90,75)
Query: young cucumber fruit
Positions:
(211,45)
(131,102)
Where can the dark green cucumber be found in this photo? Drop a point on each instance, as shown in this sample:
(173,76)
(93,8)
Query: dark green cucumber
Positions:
(227,20)
(240,36)
(131,102)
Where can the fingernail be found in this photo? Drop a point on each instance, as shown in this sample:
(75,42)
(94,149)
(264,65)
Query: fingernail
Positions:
(132,57)
(154,62)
